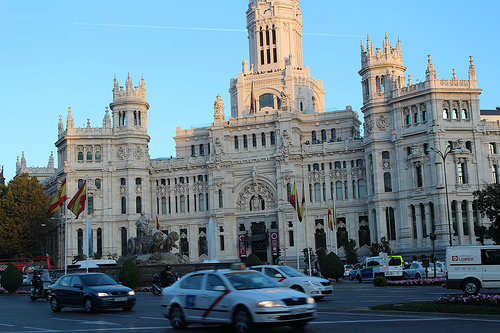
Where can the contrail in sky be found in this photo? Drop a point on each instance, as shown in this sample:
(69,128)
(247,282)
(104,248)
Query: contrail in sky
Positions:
(203,29)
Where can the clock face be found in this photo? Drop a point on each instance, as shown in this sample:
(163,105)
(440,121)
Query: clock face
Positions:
(266,12)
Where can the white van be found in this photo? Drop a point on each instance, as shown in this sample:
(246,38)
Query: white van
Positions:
(471,268)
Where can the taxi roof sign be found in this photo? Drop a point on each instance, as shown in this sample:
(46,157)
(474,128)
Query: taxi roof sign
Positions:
(237,266)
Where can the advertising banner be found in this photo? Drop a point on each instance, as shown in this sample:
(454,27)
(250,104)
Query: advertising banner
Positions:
(243,248)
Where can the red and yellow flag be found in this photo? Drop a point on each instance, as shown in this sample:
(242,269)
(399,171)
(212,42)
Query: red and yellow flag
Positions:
(293,198)
(300,209)
(252,101)
(330,217)
(157,224)
(77,203)
(59,199)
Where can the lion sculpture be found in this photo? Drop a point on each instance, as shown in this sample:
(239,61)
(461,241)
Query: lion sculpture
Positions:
(169,241)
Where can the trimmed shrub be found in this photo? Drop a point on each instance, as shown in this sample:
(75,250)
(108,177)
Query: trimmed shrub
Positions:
(331,266)
(380,281)
(252,260)
(130,275)
(12,279)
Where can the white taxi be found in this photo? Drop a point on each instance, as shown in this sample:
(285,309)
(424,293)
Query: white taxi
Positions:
(241,297)
(287,276)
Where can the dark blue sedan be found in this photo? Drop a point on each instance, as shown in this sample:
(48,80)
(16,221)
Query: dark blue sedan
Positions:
(90,291)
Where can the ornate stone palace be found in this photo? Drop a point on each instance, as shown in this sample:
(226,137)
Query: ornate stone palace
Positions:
(240,171)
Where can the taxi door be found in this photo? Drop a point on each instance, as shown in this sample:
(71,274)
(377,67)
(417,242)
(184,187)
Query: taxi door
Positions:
(215,300)
(190,296)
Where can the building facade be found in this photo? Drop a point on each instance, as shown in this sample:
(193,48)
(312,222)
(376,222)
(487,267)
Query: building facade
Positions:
(239,173)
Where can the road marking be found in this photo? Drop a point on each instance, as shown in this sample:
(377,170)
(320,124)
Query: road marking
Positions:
(88,322)
(155,318)
(40,329)
(6,325)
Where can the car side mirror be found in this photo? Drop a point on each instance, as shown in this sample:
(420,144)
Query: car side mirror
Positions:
(219,288)
(278,275)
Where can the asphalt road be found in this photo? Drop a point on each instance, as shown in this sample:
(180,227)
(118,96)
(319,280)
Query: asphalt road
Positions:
(344,311)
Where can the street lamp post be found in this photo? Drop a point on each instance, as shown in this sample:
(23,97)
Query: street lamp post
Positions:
(448,150)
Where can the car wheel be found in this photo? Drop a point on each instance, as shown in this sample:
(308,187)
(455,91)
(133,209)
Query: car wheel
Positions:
(471,287)
(127,308)
(242,322)
(177,318)
(300,324)
(298,288)
(54,305)
(418,276)
(89,305)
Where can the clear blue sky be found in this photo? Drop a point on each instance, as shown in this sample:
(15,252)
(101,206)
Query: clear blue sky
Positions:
(56,54)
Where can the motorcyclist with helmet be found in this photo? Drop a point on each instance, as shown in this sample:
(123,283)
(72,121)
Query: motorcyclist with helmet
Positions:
(37,282)
(166,276)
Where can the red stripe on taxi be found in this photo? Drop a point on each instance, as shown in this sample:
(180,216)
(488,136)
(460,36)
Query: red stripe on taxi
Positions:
(210,308)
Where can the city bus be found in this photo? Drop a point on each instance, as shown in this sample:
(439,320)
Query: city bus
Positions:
(39,262)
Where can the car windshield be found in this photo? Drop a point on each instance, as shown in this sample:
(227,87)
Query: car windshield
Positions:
(290,271)
(97,280)
(250,280)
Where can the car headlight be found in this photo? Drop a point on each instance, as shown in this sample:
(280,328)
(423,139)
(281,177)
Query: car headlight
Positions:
(102,294)
(269,304)
(131,292)
(310,300)
(313,283)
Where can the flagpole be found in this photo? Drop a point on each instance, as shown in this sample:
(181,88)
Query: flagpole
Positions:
(296,225)
(87,232)
(305,225)
(335,226)
(65,239)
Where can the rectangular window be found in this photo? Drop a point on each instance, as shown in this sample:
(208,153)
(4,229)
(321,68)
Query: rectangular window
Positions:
(420,181)
(462,173)
(494,174)
(221,241)
(290,238)
(236,143)
(183,203)
(164,205)
(124,205)
(263,139)
(245,141)
(273,138)
(193,150)
(138,204)
(254,140)
(221,202)
(493,148)
(91,205)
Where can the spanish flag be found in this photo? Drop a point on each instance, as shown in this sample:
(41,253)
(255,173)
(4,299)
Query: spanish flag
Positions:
(77,204)
(157,223)
(252,101)
(293,198)
(300,209)
(330,217)
(59,199)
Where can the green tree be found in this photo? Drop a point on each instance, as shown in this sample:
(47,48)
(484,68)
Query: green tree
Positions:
(488,204)
(351,253)
(23,207)
(331,266)
(252,260)
(383,246)
(130,275)
(12,279)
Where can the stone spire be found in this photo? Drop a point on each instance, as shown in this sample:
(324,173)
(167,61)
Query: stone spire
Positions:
(60,126)
(70,123)
(430,72)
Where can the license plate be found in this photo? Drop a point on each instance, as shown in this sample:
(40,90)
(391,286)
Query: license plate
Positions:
(296,311)
(120,299)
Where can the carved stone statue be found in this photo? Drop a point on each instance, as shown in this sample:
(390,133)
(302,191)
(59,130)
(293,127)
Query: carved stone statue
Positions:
(143,227)
(169,241)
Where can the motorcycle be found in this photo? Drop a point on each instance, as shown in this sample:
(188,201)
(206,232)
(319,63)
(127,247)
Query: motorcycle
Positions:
(158,284)
(36,293)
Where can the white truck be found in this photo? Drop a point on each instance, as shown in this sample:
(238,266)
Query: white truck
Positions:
(471,268)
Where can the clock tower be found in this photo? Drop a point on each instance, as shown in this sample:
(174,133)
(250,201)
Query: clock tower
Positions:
(275,79)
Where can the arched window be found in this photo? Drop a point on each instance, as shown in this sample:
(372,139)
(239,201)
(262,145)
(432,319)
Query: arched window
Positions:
(124,240)
(221,202)
(314,137)
(236,143)
(333,134)
(99,241)
(465,114)
(391,223)
(454,114)
(446,114)
(323,135)
(338,165)
(362,188)
(89,156)
(316,167)
(97,155)
(245,141)
(80,156)
(98,183)
(266,100)
(80,183)
(202,149)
